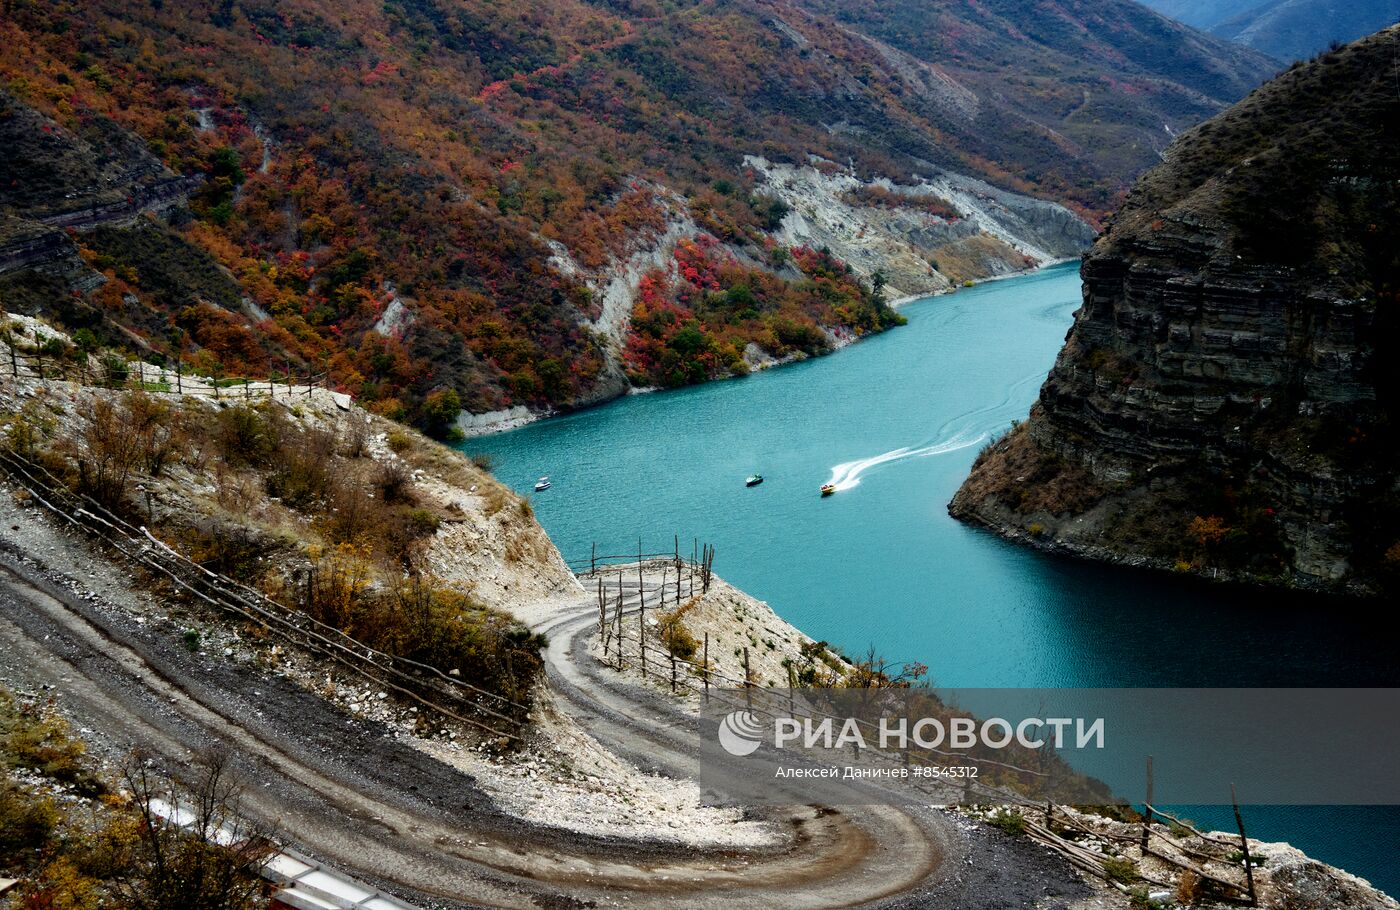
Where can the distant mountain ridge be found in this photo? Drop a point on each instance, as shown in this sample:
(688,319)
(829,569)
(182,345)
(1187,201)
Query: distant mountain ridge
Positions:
(1285,29)
(1204,14)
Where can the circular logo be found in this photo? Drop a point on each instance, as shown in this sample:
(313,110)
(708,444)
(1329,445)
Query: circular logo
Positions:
(740,733)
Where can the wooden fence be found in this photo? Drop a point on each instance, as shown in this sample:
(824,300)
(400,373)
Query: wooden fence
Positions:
(624,648)
(114,373)
(700,564)
(425,685)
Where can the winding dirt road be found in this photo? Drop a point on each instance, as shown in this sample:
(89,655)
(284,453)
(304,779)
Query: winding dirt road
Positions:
(344,790)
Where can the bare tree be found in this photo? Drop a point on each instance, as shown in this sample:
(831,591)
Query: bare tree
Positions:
(111,453)
(196,850)
(875,672)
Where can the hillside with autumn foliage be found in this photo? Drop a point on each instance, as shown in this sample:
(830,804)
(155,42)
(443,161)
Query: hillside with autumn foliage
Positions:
(461,203)
(715,315)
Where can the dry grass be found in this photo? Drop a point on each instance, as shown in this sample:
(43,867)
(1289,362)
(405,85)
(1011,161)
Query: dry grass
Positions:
(976,257)
(258,493)
(677,638)
(1017,472)
(419,619)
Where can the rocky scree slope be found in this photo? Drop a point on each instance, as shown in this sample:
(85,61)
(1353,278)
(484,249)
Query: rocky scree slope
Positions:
(1226,401)
(887,228)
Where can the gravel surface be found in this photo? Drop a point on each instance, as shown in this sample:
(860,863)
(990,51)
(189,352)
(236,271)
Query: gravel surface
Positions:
(350,791)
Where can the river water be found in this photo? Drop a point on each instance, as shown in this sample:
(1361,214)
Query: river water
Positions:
(895,422)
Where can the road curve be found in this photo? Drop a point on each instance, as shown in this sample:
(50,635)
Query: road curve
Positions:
(344,790)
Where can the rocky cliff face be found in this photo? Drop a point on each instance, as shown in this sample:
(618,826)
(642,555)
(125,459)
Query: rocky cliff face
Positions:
(1226,402)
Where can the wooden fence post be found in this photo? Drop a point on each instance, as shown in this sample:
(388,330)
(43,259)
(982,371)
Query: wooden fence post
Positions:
(706,567)
(748,681)
(705,672)
(1244,848)
(678,567)
(1147,813)
(602,619)
(641,612)
(617,618)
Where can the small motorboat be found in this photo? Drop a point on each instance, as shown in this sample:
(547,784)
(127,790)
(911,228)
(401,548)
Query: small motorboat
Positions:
(828,489)
(542,484)
(753,480)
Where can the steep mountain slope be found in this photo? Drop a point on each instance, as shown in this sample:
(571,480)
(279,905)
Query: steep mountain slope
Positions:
(1070,92)
(1203,14)
(456,203)
(1226,401)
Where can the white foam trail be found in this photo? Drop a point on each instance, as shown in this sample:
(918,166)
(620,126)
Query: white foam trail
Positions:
(846,475)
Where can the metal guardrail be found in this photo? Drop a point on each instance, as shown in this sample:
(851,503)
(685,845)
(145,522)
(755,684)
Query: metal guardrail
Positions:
(302,882)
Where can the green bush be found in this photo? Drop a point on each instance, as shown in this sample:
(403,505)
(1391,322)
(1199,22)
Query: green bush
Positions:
(675,636)
(115,371)
(41,741)
(26,820)
(245,437)
(1120,869)
(440,409)
(1138,899)
(1008,821)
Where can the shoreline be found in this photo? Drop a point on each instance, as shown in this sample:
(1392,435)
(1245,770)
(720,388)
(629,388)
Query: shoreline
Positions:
(1286,872)
(488,424)
(1048,264)
(585,790)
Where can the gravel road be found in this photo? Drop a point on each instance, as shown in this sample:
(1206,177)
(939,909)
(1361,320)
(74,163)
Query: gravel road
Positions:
(346,791)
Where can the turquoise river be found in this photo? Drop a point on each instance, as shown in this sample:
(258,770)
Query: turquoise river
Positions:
(895,422)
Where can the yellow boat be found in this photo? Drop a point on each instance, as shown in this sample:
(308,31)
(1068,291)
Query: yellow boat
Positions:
(828,489)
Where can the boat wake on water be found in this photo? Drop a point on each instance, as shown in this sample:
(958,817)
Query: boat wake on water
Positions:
(846,475)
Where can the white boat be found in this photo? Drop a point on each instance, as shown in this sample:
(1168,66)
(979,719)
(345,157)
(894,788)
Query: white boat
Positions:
(542,484)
